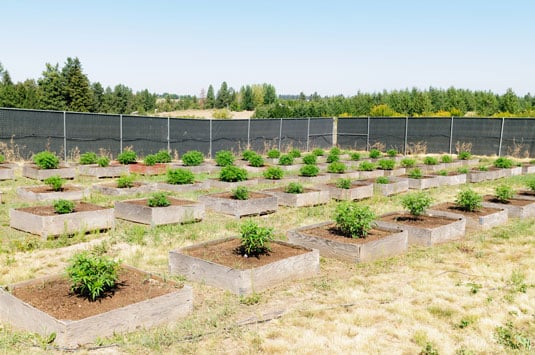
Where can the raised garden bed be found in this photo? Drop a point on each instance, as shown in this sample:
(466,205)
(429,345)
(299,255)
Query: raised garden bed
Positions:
(514,171)
(45,193)
(395,172)
(363,175)
(257,204)
(359,190)
(7,172)
(114,190)
(217,263)
(291,167)
(205,167)
(32,171)
(309,197)
(346,175)
(526,194)
(528,169)
(44,221)
(427,229)
(431,168)
(515,207)
(218,184)
(476,175)
(452,179)
(426,182)
(46,306)
(483,218)
(140,168)
(201,185)
(180,211)
(380,242)
(113,170)
(470,162)
(395,186)
(319,179)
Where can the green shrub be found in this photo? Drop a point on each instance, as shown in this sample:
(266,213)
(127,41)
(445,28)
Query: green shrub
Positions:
(331,158)
(223,113)
(127,157)
(355,156)
(468,200)
(103,162)
(273,153)
(255,240)
(158,199)
(503,163)
(294,153)
(416,203)
(503,193)
(63,206)
(294,188)
(46,160)
(337,167)
(92,276)
(464,155)
(430,161)
(343,184)
(483,168)
(374,153)
(310,159)
(530,183)
(2,158)
(192,158)
(318,152)
(273,173)
(416,173)
(366,166)
(392,153)
(180,176)
(232,174)
(386,164)
(286,159)
(353,220)
(462,170)
(408,162)
(125,181)
(241,193)
(442,172)
(256,160)
(335,151)
(246,154)
(55,182)
(382,180)
(224,158)
(446,158)
(150,160)
(163,157)
(88,158)
(309,170)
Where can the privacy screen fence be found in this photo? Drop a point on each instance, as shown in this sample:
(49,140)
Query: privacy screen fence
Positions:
(30,131)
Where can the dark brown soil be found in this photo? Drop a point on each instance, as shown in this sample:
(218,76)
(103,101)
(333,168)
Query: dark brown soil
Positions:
(511,201)
(46,188)
(330,232)
(422,221)
(227,253)
(174,202)
(144,169)
(354,183)
(422,178)
(526,193)
(283,189)
(114,184)
(451,207)
(49,210)
(55,297)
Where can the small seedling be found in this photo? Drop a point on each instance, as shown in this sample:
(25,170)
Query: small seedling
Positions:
(125,181)
(103,162)
(192,158)
(309,171)
(503,193)
(224,158)
(180,176)
(374,153)
(408,162)
(318,152)
(416,203)
(382,180)
(46,160)
(430,161)
(55,182)
(88,158)
(256,160)
(255,240)
(483,168)
(442,172)
(63,206)
(462,170)
(240,193)
(530,183)
(286,159)
(353,220)
(366,166)
(386,164)
(150,160)
(446,158)
(415,173)
(2,158)
(310,159)
(232,174)
(464,155)
(273,154)
(294,188)
(337,168)
(468,200)
(158,199)
(127,157)
(343,184)
(273,173)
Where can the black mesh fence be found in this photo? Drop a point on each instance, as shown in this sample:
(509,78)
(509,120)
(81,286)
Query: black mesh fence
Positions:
(91,133)
(431,134)
(352,133)
(264,134)
(321,133)
(387,133)
(229,135)
(482,134)
(519,137)
(189,134)
(146,135)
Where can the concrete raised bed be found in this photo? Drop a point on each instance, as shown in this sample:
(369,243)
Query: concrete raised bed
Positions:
(319,179)
(51,224)
(71,192)
(374,174)
(246,280)
(470,162)
(347,175)
(257,204)
(514,171)
(426,182)
(33,172)
(517,208)
(429,236)
(395,172)
(451,180)
(456,164)
(310,197)
(528,169)
(340,248)
(71,333)
(395,186)
(199,169)
(7,172)
(180,211)
(97,171)
(291,167)
(218,184)
(491,217)
(112,189)
(431,168)
(359,190)
(479,176)
(202,185)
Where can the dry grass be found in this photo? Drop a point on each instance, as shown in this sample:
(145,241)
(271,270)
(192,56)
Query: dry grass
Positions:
(203,114)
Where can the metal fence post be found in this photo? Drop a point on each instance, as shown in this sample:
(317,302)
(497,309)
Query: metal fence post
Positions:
(64,136)
(368,136)
(210,152)
(121,133)
(501,138)
(451,133)
(280,134)
(249,133)
(308,134)
(168,134)
(406,133)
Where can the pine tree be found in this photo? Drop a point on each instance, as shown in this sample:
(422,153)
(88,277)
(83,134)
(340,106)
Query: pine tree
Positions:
(247,99)
(98,97)
(223,96)
(509,102)
(51,89)
(270,94)
(210,97)
(78,94)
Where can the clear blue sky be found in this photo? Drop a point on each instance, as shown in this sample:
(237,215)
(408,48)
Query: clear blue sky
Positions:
(332,47)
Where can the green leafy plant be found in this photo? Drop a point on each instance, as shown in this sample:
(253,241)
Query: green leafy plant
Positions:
(415,173)
(386,164)
(331,158)
(442,172)
(273,173)
(374,153)
(125,181)
(180,176)
(46,160)
(88,158)
(163,157)
(2,158)
(446,158)
(353,220)
(192,158)
(309,170)
(294,153)
(503,163)
(336,168)
(294,188)
(255,240)
(462,170)
(310,159)
(150,160)
(392,153)
(511,338)
(416,203)
(343,184)
(224,158)
(103,162)
(232,173)
(127,157)
(430,161)
(63,206)
(318,152)
(246,154)
(408,162)
(256,160)
(382,180)
(483,168)
(92,276)
(366,166)
(530,183)
(464,155)
(335,151)
(355,156)
(241,193)
(503,193)
(273,154)
(468,200)
(286,159)
(158,199)
(55,182)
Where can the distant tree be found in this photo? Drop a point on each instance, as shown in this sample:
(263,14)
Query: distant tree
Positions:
(122,99)
(210,97)
(77,91)
(202,98)
(223,96)
(8,93)
(383,110)
(270,94)
(52,88)
(98,97)
(144,101)
(258,95)
(247,99)
(27,94)
(302,96)
(509,102)
(486,103)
